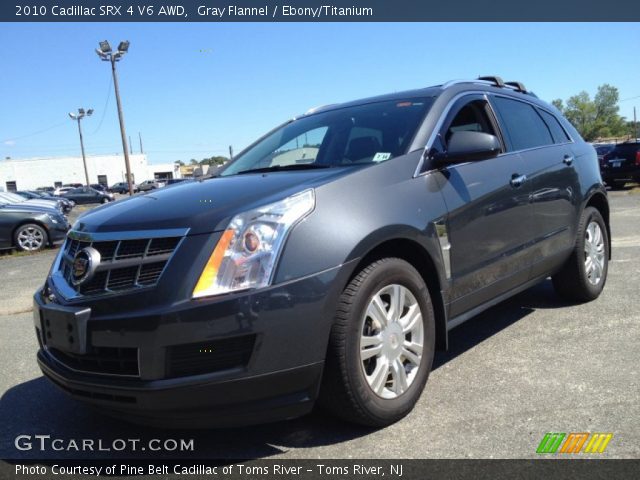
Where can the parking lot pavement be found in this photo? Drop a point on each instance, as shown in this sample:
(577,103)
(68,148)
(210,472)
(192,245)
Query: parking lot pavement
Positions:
(528,366)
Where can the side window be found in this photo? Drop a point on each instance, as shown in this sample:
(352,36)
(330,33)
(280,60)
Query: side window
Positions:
(472,117)
(558,133)
(523,125)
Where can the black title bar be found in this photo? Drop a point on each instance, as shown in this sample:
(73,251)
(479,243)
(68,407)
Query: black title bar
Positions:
(316,11)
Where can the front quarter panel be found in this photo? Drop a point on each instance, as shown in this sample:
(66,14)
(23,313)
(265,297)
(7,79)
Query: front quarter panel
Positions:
(358,212)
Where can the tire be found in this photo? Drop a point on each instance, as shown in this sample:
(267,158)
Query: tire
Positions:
(351,387)
(584,275)
(104,200)
(30,237)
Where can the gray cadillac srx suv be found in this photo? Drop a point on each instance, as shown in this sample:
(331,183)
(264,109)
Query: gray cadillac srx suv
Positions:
(327,262)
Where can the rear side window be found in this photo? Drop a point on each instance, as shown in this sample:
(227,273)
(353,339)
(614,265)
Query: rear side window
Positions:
(524,127)
(558,133)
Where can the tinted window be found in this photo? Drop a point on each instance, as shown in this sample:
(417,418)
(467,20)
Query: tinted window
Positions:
(523,125)
(558,133)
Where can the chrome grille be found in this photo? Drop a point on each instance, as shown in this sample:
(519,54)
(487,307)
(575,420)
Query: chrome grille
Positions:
(124,264)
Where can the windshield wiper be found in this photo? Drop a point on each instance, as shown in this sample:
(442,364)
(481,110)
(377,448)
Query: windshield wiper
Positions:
(277,168)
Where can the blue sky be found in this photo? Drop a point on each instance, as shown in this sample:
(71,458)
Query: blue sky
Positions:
(193,89)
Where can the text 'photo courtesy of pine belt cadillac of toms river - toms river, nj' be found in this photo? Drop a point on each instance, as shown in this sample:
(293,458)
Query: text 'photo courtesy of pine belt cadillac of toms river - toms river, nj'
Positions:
(326,263)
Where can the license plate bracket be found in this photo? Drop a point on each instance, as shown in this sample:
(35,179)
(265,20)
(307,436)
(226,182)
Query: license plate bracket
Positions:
(615,162)
(63,328)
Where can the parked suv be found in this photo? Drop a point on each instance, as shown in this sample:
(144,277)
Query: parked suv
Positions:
(621,165)
(327,262)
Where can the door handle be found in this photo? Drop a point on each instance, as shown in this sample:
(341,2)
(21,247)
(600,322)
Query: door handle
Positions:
(567,160)
(517,180)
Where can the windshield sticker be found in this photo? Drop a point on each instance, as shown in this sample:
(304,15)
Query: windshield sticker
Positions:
(381,156)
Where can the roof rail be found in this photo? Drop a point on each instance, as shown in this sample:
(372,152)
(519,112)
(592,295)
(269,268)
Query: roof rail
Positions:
(494,81)
(518,86)
(497,81)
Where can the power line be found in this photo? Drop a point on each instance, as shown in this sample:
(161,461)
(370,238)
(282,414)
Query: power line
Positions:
(104,109)
(36,132)
(630,98)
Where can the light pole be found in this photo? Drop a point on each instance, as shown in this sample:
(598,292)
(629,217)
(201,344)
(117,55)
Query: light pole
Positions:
(107,55)
(77,117)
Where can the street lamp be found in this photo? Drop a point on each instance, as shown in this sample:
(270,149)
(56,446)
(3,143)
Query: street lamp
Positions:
(106,54)
(77,117)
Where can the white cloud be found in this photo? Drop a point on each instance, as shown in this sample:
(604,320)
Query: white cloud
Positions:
(9,143)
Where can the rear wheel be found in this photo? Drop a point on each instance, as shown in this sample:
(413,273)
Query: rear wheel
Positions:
(30,237)
(381,346)
(583,276)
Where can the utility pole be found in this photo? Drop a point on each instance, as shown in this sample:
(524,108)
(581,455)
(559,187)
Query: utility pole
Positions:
(130,146)
(140,138)
(230,152)
(107,55)
(77,117)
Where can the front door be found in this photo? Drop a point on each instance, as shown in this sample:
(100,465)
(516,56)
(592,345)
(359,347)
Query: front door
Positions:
(488,223)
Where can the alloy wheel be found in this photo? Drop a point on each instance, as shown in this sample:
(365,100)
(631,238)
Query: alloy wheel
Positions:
(30,239)
(392,341)
(594,251)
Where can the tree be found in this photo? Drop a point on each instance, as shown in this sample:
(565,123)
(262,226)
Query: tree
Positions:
(193,162)
(595,118)
(179,162)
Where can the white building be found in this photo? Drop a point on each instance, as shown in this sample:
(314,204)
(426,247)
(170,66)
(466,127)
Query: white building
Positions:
(31,173)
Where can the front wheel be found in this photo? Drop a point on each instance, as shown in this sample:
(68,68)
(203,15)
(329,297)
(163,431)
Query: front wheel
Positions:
(30,237)
(381,346)
(583,277)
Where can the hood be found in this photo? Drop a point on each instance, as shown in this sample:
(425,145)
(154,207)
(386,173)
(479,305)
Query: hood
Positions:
(23,207)
(202,206)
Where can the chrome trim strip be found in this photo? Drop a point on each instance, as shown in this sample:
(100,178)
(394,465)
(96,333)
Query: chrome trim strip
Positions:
(126,235)
(445,246)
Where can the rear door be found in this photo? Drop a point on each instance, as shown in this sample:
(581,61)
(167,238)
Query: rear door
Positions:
(546,150)
(489,224)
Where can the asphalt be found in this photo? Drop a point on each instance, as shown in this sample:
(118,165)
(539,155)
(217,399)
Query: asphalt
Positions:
(528,366)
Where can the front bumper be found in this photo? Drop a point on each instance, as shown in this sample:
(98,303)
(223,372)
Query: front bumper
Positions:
(57,231)
(288,324)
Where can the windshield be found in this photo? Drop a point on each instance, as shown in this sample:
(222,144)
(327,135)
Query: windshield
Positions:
(363,134)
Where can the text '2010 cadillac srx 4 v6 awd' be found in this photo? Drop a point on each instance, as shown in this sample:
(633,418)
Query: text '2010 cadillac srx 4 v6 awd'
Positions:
(326,263)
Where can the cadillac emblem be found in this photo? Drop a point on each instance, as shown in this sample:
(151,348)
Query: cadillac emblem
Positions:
(84,265)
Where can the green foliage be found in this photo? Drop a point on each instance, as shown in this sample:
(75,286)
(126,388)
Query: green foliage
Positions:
(216,160)
(597,118)
(179,162)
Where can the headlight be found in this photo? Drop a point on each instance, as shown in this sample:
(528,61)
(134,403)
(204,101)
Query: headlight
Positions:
(246,254)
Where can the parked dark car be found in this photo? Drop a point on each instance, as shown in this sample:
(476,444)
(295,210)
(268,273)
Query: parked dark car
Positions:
(621,165)
(99,187)
(122,187)
(603,148)
(66,204)
(174,181)
(30,228)
(84,195)
(327,262)
(13,197)
(46,189)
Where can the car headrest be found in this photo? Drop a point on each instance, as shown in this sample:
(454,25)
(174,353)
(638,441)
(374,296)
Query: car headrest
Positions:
(362,147)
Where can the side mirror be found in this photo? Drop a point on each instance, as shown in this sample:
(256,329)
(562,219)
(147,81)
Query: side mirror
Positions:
(466,146)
